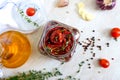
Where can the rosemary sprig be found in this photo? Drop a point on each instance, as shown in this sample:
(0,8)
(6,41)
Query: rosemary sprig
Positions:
(26,18)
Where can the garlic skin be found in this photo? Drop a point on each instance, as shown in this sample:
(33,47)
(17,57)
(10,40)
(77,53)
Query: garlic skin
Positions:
(63,3)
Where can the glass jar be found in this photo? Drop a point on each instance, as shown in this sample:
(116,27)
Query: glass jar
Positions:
(58,41)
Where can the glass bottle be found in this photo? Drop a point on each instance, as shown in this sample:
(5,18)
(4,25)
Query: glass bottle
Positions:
(59,41)
(15,49)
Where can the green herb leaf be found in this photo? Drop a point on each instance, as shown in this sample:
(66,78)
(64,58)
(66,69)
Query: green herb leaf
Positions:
(27,18)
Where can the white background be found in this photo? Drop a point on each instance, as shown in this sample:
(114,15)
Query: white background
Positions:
(102,24)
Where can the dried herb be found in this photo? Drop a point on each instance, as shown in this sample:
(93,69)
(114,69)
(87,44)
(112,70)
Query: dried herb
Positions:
(27,18)
(35,75)
(40,75)
(80,65)
(62,63)
(49,50)
(99,47)
(68,78)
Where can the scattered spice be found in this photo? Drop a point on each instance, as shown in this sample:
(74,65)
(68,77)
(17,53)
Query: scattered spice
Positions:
(91,48)
(80,65)
(99,47)
(87,59)
(90,44)
(62,63)
(93,38)
(112,58)
(89,64)
(81,31)
(89,67)
(98,39)
(35,75)
(91,58)
(107,44)
(79,43)
(87,38)
(93,54)
(93,30)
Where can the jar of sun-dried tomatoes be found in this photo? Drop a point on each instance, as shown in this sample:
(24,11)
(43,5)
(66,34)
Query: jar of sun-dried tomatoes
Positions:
(58,41)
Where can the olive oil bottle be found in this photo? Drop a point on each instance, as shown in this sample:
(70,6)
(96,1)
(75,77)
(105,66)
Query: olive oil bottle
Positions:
(15,49)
